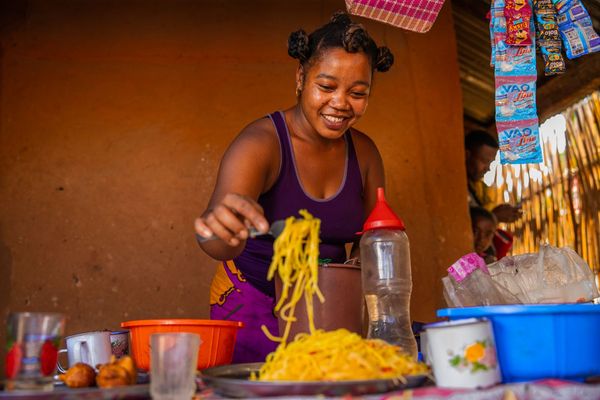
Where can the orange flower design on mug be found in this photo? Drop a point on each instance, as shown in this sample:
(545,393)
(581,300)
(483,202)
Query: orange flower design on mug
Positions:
(478,356)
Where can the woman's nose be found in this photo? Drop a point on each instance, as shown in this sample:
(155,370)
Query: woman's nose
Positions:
(339,100)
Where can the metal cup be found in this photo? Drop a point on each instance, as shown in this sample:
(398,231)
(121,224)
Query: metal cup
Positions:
(32,349)
(91,348)
(462,353)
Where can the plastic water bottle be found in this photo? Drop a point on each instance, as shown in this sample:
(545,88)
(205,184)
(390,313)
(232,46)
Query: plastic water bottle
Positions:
(386,277)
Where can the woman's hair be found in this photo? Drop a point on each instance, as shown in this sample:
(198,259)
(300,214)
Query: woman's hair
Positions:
(340,32)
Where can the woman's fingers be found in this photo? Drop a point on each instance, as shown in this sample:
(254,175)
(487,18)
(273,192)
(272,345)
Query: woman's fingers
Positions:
(202,229)
(225,224)
(248,209)
(231,219)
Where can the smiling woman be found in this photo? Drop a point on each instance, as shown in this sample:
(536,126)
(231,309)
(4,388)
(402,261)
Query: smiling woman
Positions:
(305,157)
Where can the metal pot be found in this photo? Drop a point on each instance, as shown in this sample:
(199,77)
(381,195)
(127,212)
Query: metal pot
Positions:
(343,306)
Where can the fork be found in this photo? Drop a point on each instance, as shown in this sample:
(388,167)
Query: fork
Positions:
(274,230)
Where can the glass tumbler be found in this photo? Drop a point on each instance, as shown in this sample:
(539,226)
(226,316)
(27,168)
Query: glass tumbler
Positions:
(33,339)
(173,361)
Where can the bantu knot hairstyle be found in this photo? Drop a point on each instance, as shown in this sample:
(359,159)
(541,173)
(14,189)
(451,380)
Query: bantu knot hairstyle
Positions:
(340,32)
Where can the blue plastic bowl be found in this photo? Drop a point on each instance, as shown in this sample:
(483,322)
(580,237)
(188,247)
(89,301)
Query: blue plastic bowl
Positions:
(541,341)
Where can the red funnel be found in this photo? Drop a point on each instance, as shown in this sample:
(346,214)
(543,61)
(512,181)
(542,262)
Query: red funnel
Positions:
(382,216)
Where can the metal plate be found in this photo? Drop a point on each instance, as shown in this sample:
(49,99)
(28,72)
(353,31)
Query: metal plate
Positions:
(232,381)
(63,392)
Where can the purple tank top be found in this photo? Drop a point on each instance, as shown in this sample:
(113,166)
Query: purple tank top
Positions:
(342,215)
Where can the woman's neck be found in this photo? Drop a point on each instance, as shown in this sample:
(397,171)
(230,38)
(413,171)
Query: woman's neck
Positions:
(301,129)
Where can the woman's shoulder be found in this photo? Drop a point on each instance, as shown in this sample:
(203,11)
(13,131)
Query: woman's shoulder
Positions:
(260,130)
(258,136)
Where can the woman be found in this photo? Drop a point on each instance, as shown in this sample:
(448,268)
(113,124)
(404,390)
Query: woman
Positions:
(306,157)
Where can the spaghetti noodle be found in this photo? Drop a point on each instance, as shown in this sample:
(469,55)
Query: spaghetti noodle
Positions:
(337,356)
(319,355)
(296,260)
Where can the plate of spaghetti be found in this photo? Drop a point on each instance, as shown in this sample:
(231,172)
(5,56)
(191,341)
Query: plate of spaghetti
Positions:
(332,363)
(234,381)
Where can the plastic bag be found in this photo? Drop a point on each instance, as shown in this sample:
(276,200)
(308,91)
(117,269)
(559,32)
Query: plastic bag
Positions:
(469,284)
(554,275)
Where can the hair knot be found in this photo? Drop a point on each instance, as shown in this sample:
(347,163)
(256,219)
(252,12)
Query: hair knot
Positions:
(385,59)
(298,45)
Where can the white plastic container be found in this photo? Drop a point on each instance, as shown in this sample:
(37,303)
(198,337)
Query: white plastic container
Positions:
(386,277)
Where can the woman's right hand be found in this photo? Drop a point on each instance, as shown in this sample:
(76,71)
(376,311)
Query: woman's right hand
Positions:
(230,219)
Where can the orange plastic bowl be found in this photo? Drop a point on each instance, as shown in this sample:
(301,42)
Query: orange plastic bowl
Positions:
(218,339)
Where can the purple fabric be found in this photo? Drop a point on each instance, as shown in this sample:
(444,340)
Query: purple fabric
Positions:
(247,304)
(342,215)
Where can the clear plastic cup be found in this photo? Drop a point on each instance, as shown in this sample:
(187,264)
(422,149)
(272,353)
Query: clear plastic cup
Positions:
(173,360)
(33,340)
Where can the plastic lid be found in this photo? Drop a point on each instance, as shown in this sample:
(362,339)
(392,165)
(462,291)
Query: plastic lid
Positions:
(511,310)
(382,216)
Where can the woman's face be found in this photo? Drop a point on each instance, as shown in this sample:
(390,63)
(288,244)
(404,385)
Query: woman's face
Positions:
(483,234)
(335,91)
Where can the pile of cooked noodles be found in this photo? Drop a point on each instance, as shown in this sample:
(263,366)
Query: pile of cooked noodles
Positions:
(320,356)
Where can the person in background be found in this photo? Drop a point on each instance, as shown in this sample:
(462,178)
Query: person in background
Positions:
(483,224)
(480,151)
(307,156)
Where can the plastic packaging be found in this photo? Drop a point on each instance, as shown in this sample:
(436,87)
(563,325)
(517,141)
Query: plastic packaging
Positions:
(554,275)
(497,27)
(518,22)
(519,142)
(515,77)
(576,28)
(386,277)
(514,60)
(469,284)
(548,37)
(515,98)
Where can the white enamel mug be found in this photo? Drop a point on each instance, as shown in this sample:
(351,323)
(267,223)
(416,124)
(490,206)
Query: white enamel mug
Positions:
(462,353)
(91,348)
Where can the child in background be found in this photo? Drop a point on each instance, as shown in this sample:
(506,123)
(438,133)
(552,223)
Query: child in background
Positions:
(484,226)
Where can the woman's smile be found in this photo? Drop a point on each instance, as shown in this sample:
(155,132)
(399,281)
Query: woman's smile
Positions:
(334,123)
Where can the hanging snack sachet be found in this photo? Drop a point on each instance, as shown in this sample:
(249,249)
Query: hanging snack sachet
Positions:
(519,142)
(515,98)
(518,22)
(515,82)
(576,28)
(497,27)
(548,37)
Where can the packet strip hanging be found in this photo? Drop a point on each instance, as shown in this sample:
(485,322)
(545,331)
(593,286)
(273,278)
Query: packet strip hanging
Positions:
(576,28)
(515,98)
(548,37)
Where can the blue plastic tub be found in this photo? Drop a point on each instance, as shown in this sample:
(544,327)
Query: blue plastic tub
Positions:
(542,341)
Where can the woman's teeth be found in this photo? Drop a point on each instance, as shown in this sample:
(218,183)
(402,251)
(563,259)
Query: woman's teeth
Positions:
(333,119)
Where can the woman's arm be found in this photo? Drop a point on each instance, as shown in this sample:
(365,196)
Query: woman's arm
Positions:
(372,171)
(248,168)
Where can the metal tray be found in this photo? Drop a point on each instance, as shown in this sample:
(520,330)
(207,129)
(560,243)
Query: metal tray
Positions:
(63,392)
(232,381)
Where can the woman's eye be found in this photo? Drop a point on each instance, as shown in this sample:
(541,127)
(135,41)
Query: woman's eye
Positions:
(326,88)
(358,94)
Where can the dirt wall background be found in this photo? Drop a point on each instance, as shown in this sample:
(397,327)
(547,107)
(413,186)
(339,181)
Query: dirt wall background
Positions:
(113,119)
